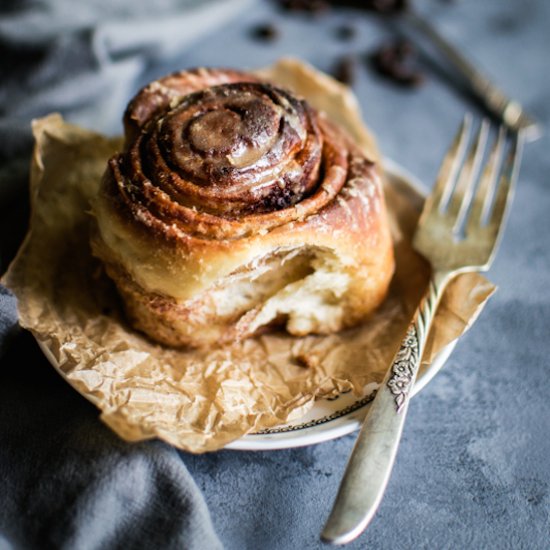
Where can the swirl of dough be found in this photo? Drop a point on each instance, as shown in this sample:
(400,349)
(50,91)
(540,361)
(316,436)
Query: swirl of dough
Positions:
(232,201)
(229,160)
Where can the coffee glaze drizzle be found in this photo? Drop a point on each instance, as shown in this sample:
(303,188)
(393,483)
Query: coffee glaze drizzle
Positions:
(226,160)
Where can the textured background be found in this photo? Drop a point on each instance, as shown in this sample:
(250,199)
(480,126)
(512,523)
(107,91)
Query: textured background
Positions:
(473,469)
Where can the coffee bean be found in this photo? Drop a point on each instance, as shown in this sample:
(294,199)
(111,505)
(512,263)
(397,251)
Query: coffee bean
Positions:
(345,69)
(267,32)
(346,31)
(396,61)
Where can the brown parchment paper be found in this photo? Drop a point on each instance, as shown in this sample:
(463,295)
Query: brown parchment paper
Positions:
(201,400)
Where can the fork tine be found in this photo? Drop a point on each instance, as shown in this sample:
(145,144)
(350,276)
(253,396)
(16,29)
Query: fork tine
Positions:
(506,184)
(449,167)
(487,183)
(460,200)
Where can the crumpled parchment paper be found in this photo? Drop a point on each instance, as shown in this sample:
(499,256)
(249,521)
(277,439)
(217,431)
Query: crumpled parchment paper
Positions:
(201,400)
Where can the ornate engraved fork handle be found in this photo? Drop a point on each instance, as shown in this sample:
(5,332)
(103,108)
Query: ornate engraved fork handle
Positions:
(402,374)
(371,461)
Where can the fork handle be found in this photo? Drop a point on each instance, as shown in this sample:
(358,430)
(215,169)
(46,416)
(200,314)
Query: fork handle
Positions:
(370,464)
(509,111)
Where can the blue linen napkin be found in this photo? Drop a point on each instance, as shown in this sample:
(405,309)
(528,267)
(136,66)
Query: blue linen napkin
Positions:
(66,481)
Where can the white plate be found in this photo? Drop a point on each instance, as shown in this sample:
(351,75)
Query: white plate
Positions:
(329,418)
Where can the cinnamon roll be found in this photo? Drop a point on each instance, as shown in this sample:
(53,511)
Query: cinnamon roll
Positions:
(235,208)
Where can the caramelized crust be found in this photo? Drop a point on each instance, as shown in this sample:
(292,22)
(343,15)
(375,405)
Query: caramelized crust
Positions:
(236,207)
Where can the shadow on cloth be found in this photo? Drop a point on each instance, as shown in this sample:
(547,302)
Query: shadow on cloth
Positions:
(69,482)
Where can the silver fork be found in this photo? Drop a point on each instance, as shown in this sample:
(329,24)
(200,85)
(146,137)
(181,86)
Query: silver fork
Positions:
(459,231)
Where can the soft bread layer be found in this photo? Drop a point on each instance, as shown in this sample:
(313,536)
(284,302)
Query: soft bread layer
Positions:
(317,275)
(306,291)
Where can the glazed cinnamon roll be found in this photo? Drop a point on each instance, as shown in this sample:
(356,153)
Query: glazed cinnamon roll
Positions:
(236,208)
